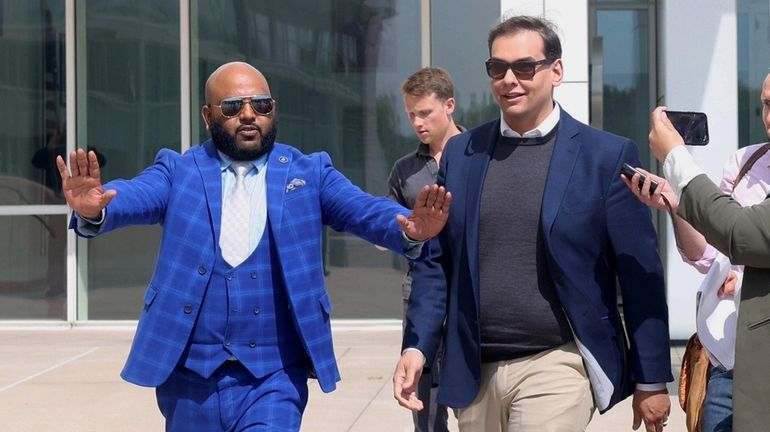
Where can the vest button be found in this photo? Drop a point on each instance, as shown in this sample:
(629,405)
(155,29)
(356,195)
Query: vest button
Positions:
(253,275)
(252,344)
(256,311)
(202,270)
(187,309)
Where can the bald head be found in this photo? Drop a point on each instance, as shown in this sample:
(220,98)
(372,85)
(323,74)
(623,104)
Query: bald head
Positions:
(235,79)
(250,132)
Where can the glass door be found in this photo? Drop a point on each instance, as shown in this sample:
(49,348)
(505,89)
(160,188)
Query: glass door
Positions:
(622,67)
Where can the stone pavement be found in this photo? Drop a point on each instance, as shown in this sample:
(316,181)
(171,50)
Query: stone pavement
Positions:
(67,380)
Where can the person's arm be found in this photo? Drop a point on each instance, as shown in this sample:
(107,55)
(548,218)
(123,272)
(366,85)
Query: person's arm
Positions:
(691,244)
(741,233)
(640,276)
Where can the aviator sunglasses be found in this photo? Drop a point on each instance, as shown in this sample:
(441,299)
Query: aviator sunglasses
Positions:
(524,70)
(231,107)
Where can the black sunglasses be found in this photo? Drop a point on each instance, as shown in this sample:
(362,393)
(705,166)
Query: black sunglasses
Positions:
(524,70)
(231,107)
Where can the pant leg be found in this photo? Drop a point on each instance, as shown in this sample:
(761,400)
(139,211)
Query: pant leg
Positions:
(718,406)
(544,392)
(232,400)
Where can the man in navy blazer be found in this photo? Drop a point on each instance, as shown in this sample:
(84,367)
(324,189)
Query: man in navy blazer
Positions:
(523,279)
(230,341)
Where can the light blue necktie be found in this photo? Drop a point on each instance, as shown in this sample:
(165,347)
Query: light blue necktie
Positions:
(236,214)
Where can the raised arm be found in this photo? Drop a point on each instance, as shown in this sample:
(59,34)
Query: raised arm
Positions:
(83,188)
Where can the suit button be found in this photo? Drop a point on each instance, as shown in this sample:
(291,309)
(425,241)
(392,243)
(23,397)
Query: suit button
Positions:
(202,270)
(253,275)
(252,344)
(188,309)
(229,277)
(256,311)
(227,342)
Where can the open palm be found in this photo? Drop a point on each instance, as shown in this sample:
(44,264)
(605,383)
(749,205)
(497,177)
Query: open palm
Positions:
(429,215)
(83,188)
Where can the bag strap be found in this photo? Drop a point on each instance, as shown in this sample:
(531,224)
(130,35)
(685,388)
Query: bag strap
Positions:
(750,163)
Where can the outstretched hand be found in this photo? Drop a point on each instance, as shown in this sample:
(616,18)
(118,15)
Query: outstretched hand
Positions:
(429,215)
(83,188)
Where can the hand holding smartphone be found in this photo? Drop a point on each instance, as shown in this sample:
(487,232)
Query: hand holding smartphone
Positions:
(629,171)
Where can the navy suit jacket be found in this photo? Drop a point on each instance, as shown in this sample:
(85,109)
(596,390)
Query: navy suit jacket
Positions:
(183,193)
(597,236)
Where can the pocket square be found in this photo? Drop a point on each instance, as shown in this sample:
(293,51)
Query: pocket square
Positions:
(295,184)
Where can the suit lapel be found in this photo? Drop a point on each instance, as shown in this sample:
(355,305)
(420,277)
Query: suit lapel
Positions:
(565,153)
(211,175)
(278,163)
(481,147)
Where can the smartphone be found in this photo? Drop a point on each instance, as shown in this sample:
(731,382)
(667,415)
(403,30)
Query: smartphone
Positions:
(629,171)
(692,126)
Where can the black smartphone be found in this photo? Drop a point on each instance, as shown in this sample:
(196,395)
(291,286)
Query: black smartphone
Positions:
(629,171)
(691,125)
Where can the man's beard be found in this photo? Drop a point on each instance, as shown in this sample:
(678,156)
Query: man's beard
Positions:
(226,143)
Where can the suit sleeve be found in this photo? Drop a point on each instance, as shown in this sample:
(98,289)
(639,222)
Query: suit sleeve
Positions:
(141,200)
(640,276)
(347,208)
(741,233)
(426,309)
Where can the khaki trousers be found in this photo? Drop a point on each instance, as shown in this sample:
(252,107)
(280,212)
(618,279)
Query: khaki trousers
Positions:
(544,392)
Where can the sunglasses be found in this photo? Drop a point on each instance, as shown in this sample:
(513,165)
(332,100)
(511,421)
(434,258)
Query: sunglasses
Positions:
(231,107)
(524,70)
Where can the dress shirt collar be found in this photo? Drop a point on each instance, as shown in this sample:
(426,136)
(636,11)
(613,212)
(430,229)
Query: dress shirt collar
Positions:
(542,129)
(225,162)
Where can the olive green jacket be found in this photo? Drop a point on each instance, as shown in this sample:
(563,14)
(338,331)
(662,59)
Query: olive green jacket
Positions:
(743,235)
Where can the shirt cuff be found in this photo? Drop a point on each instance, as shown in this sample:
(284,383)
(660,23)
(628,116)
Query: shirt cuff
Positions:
(417,350)
(680,168)
(651,387)
(90,227)
(412,248)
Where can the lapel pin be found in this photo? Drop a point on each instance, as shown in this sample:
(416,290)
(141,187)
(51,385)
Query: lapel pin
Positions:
(283,159)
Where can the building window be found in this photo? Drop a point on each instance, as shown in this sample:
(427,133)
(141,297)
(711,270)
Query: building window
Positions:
(753,63)
(129,108)
(32,133)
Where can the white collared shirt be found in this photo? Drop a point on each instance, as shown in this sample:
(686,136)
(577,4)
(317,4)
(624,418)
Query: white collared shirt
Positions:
(542,129)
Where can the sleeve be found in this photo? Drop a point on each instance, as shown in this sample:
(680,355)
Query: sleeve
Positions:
(345,207)
(640,276)
(426,309)
(141,200)
(741,233)
(394,186)
(726,185)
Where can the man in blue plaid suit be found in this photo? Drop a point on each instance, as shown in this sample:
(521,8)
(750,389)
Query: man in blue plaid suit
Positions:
(229,345)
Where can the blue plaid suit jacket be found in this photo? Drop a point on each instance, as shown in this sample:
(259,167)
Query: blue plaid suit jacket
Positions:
(183,193)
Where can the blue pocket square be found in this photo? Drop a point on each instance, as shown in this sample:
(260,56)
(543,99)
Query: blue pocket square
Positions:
(295,184)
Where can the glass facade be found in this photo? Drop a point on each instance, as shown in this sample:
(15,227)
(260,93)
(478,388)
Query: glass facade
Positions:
(753,25)
(129,106)
(475,104)
(33,119)
(626,74)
